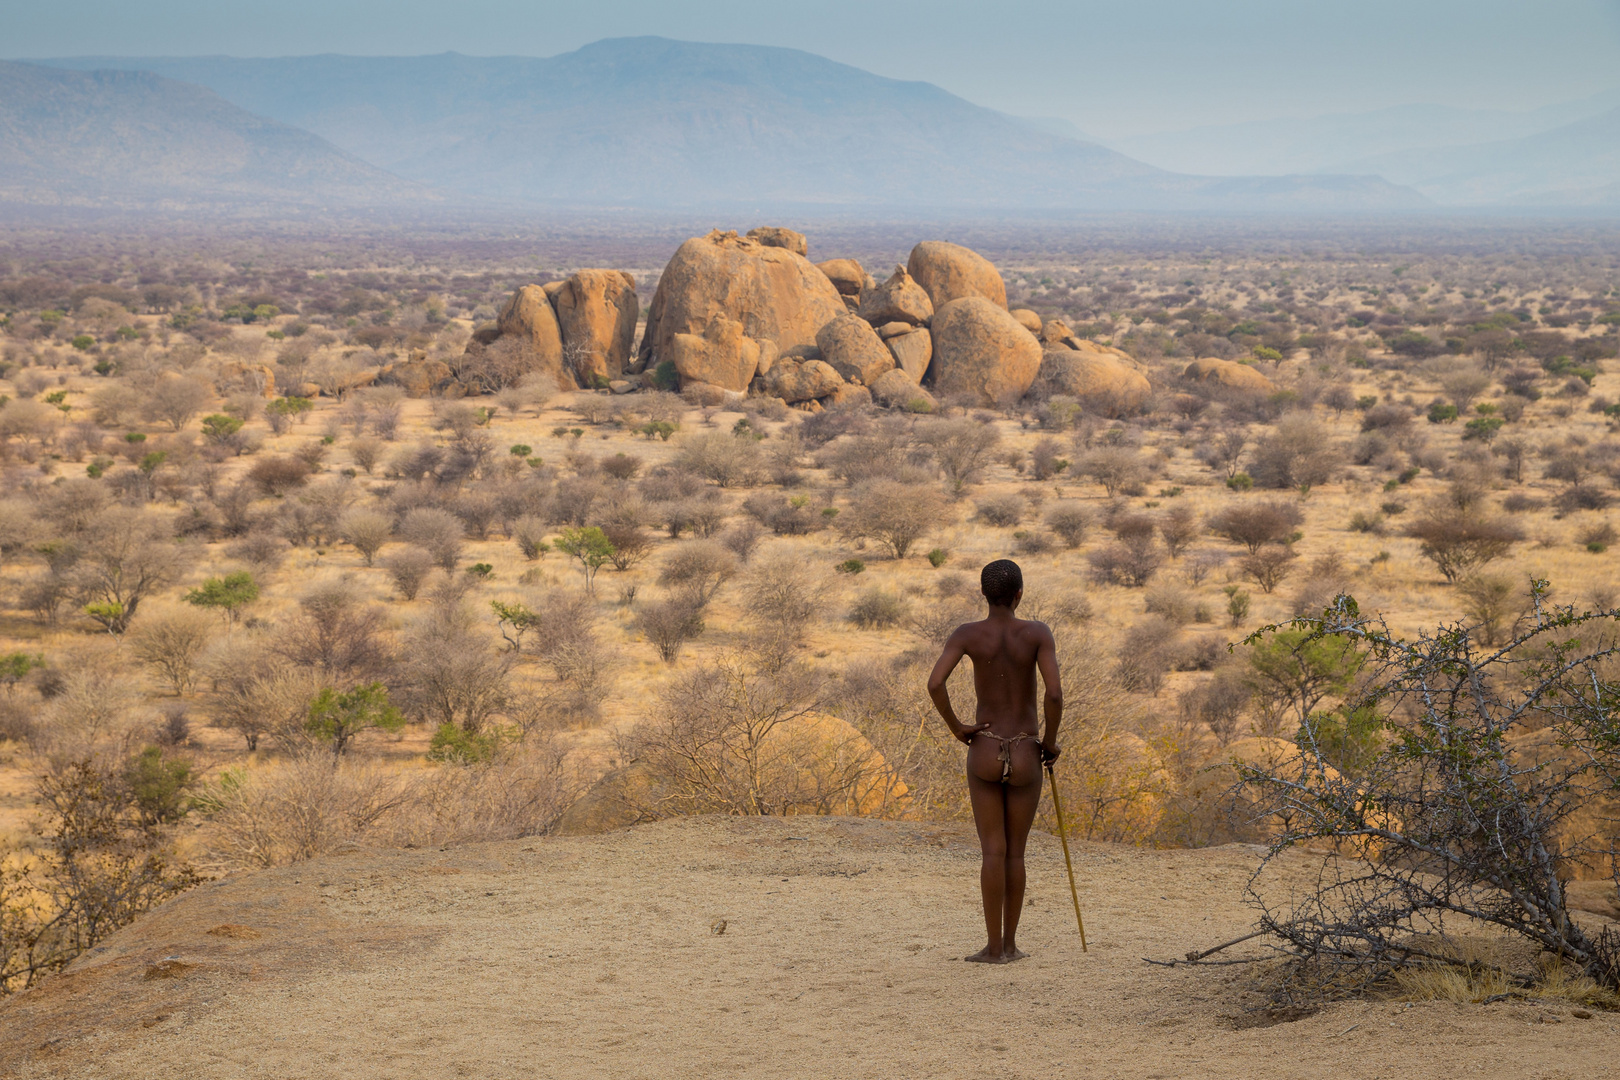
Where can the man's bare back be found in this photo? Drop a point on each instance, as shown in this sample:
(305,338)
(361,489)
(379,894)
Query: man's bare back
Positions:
(1004,758)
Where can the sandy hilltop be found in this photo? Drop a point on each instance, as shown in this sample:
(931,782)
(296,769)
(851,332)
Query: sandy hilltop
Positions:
(721,947)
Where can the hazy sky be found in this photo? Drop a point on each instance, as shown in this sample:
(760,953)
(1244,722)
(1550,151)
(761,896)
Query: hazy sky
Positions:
(1116,68)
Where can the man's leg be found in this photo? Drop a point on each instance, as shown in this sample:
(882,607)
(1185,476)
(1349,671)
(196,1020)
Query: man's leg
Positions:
(990,815)
(1022,802)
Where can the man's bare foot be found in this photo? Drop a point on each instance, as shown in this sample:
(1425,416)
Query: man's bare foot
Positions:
(1012,953)
(986,956)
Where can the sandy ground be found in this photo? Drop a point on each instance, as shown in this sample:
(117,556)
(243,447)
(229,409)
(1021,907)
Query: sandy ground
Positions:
(839,957)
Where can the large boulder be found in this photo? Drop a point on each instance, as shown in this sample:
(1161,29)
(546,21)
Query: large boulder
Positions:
(721,356)
(1102,379)
(850,396)
(801,380)
(1028,319)
(1055,332)
(596,312)
(912,352)
(981,352)
(853,349)
(1230,374)
(897,389)
(530,318)
(950,272)
(778,295)
(777,236)
(899,299)
(419,378)
(846,275)
(616,801)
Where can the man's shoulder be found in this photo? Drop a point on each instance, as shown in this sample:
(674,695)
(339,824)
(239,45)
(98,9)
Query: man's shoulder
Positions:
(1036,627)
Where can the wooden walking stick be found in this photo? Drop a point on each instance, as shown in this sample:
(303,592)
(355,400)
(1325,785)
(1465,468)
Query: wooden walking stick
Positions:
(1064,839)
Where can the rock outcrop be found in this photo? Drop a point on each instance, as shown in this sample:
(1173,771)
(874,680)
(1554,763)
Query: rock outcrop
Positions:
(950,272)
(801,380)
(853,349)
(980,352)
(418,378)
(1055,332)
(1028,319)
(721,356)
(899,299)
(1102,379)
(530,318)
(777,294)
(897,389)
(912,352)
(596,314)
(846,275)
(777,236)
(1230,374)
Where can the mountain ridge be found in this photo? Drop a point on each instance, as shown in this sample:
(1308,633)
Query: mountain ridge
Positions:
(132,138)
(650,122)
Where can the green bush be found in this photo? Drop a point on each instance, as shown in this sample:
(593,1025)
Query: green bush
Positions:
(1240,482)
(851,566)
(453,744)
(1442,413)
(937,557)
(158,785)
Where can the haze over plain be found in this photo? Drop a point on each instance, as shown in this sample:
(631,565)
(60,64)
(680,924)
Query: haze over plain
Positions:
(1070,106)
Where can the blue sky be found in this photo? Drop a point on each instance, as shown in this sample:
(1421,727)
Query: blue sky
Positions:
(1111,68)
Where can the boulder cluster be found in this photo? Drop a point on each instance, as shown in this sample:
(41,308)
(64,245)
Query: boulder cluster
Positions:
(737,314)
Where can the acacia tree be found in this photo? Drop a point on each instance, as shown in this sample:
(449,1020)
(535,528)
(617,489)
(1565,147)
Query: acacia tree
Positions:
(591,547)
(228,594)
(126,557)
(339,716)
(1460,541)
(1470,808)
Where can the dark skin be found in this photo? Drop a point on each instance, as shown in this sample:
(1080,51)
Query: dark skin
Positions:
(1006,652)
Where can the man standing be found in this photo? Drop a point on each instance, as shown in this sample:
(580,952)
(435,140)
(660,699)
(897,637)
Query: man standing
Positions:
(1004,758)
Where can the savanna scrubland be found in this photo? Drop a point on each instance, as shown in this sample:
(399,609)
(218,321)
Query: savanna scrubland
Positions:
(312,543)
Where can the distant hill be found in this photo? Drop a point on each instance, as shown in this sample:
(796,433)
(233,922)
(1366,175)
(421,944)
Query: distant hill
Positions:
(1574,165)
(648,122)
(1344,142)
(135,139)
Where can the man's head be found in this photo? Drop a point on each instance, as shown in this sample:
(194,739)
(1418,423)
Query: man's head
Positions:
(1001,582)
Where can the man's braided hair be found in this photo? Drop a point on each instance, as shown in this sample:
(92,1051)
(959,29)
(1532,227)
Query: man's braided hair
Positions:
(1001,581)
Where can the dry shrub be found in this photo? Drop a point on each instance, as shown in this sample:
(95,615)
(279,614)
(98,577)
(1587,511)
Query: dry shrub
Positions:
(887,702)
(1116,786)
(877,609)
(408,569)
(1002,510)
(172,644)
(1070,521)
(1147,653)
(698,570)
(1171,601)
(935,622)
(100,863)
(669,624)
(744,734)
(785,596)
(310,803)
(894,513)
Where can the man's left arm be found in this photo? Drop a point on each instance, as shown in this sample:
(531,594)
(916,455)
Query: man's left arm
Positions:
(1046,661)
